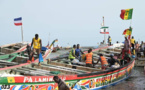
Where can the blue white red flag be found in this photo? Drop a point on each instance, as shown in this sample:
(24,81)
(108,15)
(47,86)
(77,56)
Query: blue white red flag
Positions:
(18,21)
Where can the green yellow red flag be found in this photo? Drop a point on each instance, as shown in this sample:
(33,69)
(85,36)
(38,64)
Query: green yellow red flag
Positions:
(11,79)
(128,32)
(126,14)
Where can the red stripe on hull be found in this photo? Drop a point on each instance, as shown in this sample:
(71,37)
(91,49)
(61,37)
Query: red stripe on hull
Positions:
(32,79)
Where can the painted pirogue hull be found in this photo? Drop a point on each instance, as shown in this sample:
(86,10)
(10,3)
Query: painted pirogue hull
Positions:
(88,81)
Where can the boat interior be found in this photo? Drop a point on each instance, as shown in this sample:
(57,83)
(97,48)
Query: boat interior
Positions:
(61,65)
(10,48)
(16,58)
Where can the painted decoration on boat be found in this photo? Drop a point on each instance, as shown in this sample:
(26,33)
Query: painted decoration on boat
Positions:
(73,81)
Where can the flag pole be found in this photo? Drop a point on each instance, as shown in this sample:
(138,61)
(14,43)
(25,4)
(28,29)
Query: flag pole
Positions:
(22,32)
(130,22)
(104,32)
(48,40)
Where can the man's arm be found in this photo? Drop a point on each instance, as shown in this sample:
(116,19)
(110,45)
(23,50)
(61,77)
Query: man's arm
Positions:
(117,62)
(81,51)
(85,58)
(98,60)
(92,60)
(40,44)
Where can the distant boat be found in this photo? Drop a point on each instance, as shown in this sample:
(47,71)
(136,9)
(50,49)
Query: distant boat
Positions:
(12,48)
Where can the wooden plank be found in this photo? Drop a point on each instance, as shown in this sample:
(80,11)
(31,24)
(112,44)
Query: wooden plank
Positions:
(17,47)
(141,59)
(88,69)
(55,69)
(37,70)
(62,67)
(33,72)
(2,61)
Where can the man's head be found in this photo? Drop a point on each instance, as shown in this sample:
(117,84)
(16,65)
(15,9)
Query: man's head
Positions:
(90,50)
(36,36)
(56,79)
(132,37)
(78,46)
(74,46)
(111,55)
(101,55)
(125,37)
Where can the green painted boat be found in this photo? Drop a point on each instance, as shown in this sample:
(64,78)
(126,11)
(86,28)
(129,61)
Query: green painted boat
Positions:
(8,57)
(21,56)
(12,48)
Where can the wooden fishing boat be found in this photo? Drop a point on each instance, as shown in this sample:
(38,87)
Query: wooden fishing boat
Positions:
(21,56)
(77,77)
(12,48)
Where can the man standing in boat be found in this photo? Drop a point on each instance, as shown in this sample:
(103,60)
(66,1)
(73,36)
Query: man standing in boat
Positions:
(36,44)
(132,40)
(112,61)
(127,45)
(89,58)
(142,49)
(78,52)
(103,61)
(109,41)
(72,55)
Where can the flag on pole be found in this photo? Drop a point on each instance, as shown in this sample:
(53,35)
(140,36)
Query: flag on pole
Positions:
(18,21)
(104,30)
(128,32)
(126,14)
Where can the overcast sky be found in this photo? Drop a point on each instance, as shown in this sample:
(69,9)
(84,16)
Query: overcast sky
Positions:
(71,21)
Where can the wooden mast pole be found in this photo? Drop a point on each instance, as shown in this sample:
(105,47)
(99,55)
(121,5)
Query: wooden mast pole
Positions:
(104,32)
(22,33)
